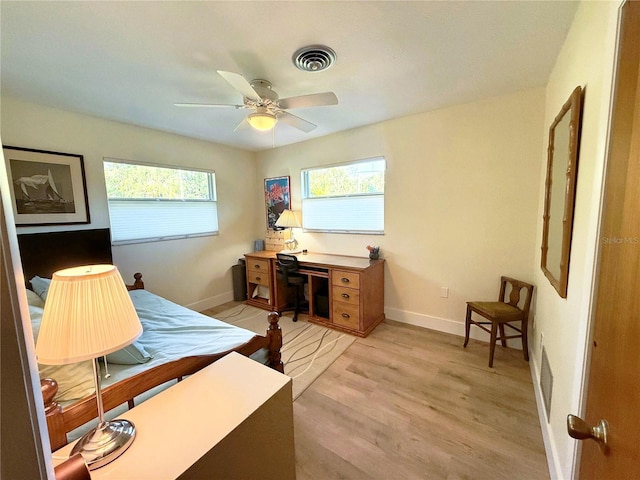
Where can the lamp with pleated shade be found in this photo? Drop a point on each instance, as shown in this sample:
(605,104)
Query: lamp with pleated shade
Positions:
(289,219)
(88,313)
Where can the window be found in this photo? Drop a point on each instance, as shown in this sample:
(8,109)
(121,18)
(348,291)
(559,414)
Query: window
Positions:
(151,203)
(347,198)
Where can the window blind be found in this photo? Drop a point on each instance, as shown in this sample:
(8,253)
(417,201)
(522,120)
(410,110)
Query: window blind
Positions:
(135,221)
(354,214)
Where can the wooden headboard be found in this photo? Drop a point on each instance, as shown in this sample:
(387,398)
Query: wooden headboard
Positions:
(45,253)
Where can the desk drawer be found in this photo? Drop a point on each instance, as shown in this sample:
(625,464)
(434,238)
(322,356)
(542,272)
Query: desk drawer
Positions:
(346,295)
(346,315)
(258,264)
(261,278)
(345,279)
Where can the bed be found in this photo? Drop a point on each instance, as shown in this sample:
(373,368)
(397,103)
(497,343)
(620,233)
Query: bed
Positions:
(175,342)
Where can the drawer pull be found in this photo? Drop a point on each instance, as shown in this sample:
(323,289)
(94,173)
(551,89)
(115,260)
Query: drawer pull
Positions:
(344,280)
(258,278)
(345,295)
(256,266)
(345,315)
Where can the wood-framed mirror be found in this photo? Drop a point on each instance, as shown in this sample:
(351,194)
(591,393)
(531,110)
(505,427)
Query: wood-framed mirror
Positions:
(560,192)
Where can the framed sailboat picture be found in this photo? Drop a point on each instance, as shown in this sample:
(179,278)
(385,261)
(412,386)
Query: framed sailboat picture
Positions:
(47,188)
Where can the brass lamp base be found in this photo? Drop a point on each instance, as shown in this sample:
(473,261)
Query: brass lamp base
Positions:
(105,443)
(291,246)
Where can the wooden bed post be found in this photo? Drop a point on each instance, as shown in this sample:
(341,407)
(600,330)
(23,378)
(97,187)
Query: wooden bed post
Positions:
(275,342)
(53,412)
(138,284)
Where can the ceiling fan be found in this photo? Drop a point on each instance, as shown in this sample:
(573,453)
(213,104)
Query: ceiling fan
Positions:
(268,107)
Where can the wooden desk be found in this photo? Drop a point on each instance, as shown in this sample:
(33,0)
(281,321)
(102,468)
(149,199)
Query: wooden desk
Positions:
(352,286)
(232,419)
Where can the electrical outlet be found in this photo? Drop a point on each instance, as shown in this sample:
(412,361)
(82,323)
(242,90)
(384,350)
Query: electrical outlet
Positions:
(444,292)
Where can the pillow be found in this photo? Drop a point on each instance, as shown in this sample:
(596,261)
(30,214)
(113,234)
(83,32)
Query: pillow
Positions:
(130,355)
(75,380)
(40,286)
(36,318)
(34,300)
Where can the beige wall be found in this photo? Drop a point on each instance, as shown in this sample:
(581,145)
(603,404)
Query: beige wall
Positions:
(192,271)
(461,201)
(460,204)
(587,60)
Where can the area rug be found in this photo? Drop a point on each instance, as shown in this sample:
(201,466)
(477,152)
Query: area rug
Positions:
(308,349)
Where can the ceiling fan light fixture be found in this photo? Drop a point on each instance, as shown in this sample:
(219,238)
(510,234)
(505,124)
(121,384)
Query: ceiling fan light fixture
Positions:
(262,121)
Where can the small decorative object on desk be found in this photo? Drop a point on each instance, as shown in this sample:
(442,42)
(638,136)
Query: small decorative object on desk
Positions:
(374,252)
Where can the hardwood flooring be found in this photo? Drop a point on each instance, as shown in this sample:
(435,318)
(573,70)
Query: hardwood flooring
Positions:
(410,403)
(222,307)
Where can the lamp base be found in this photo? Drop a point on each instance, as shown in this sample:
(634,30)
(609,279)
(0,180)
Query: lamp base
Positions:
(291,250)
(105,443)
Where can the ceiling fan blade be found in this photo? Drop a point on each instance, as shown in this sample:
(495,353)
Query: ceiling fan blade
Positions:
(243,125)
(297,122)
(240,83)
(209,105)
(312,100)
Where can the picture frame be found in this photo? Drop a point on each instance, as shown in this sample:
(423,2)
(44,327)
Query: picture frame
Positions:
(47,188)
(560,192)
(277,198)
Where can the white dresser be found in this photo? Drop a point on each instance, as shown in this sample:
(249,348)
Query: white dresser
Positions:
(231,420)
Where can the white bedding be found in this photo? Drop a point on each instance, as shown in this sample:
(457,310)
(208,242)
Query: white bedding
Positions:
(170,332)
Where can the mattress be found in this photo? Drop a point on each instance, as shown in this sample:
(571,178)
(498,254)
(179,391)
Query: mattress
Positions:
(169,332)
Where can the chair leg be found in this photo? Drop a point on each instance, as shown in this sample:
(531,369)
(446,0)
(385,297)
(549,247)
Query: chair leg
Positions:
(296,308)
(492,347)
(503,341)
(467,326)
(525,339)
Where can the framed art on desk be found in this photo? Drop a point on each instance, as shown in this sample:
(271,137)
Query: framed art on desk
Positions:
(47,188)
(277,198)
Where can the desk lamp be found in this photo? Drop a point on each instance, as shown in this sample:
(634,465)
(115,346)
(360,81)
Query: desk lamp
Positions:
(289,219)
(88,314)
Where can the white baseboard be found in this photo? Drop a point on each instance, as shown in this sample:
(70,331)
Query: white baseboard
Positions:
(555,472)
(454,327)
(211,302)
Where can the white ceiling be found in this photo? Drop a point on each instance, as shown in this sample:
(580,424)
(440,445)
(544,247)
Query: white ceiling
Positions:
(131,61)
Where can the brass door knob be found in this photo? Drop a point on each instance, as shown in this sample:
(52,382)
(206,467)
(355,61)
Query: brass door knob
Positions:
(580,430)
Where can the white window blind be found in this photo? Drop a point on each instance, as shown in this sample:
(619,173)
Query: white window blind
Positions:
(149,220)
(360,214)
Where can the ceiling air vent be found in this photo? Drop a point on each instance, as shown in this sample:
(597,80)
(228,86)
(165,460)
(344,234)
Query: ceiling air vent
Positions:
(314,58)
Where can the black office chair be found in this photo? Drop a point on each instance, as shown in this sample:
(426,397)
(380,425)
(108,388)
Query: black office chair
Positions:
(287,268)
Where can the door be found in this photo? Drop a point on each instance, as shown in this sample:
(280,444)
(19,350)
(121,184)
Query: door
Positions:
(614,377)
(21,447)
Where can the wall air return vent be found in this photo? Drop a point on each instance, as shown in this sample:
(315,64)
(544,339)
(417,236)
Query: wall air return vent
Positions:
(546,382)
(314,58)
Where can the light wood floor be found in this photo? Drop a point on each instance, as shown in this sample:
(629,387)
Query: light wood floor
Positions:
(410,403)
